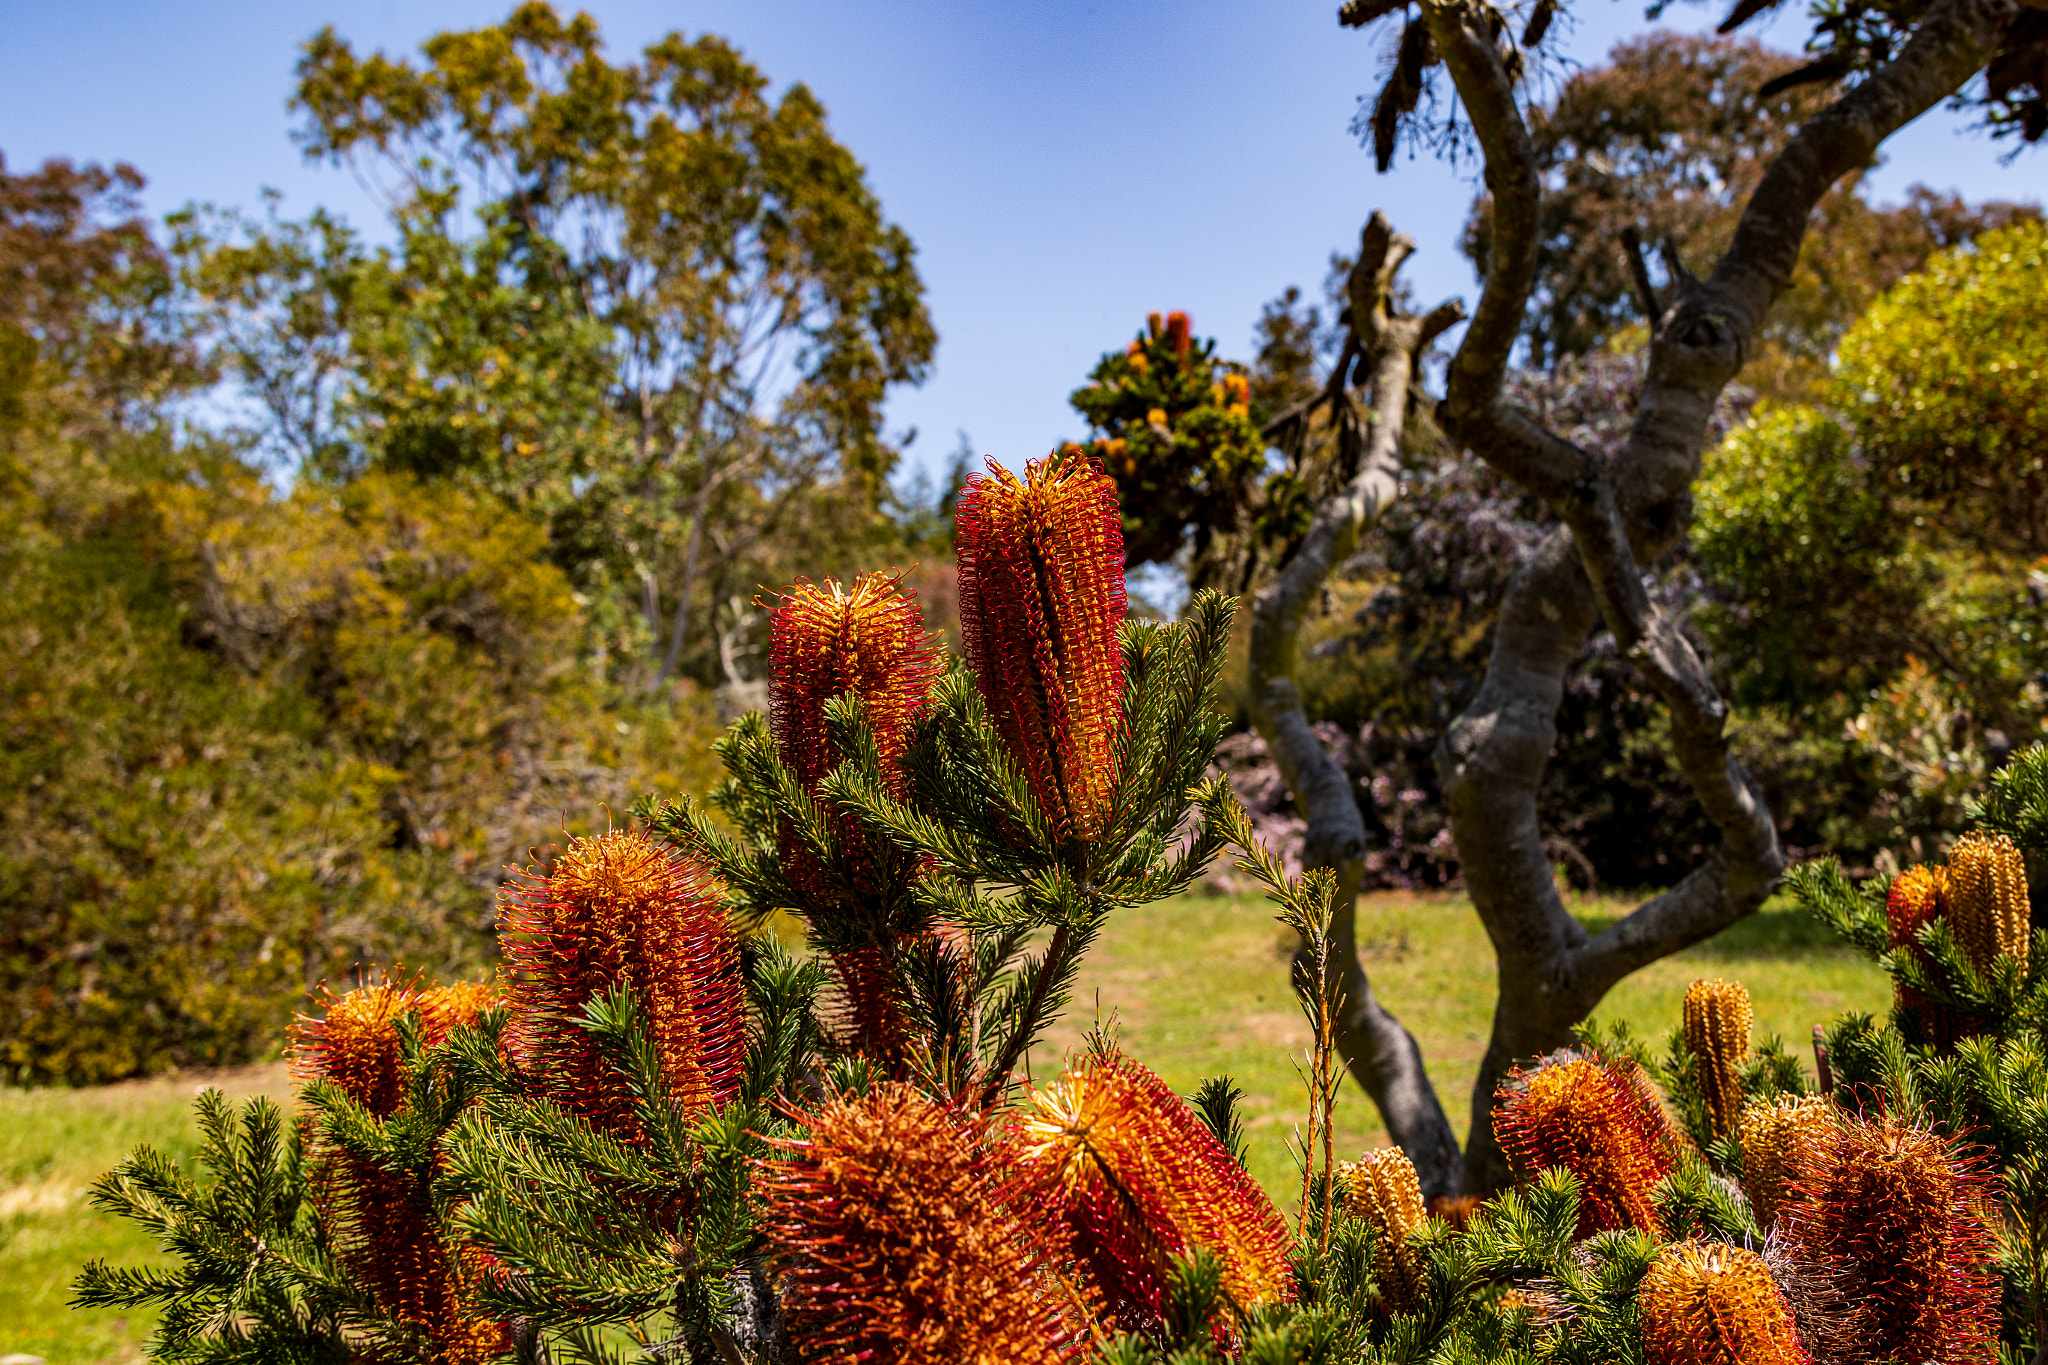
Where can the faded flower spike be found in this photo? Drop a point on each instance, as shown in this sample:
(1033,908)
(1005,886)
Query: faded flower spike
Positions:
(1138,1179)
(1595,1119)
(1041,604)
(1779,1139)
(1381,1187)
(1987,898)
(892,1225)
(1717,1018)
(1894,1215)
(1708,1303)
(382,1221)
(620,910)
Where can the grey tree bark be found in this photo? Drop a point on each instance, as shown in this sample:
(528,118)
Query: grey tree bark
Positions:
(1619,516)
(1378,1051)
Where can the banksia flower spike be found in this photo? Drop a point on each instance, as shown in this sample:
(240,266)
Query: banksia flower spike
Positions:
(1779,1139)
(1915,899)
(620,910)
(1893,1215)
(1717,1018)
(1986,900)
(1596,1119)
(1178,333)
(1707,1303)
(1138,1179)
(893,1227)
(382,1221)
(1041,603)
(1382,1188)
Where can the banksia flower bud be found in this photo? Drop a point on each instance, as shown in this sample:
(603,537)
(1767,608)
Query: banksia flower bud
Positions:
(383,1221)
(1707,1303)
(1178,333)
(1779,1138)
(1041,603)
(620,910)
(1152,325)
(1382,1188)
(1987,898)
(893,1226)
(1717,1017)
(1138,1179)
(1596,1120)
(1893,1215)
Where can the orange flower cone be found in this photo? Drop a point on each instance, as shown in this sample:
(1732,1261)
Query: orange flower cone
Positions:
(1596,1119)
(620,910)
(1716,1031)
(1042,602)
(1384,1190)
(893,1227)
(1707,1303)
(1137,1179)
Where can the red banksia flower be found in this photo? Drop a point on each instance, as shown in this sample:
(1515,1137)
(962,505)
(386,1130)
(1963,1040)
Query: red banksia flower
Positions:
(1137,1180)
(1707,1303)
(1716,1031)
(620,910)
(1893,1216)
(1041,603)
(1595,1119)
(382,1221)
(892,1226)
(1383,1189)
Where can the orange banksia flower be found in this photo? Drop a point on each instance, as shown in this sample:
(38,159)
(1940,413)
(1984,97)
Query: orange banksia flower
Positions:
(1779,1138)
(1382,1188)
(1178,333)
(1137,1180)
(383,1222)
(1717,1017)
(620,910)
(1596,1119)
(1707,1303)
(1916,899)
(1891,1215)
(1041,604)
(893,1227)
(1986,900)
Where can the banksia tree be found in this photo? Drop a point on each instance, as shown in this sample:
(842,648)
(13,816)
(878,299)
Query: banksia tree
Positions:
(1716,1032)
(1041,604)
(1381,1187)
(619,911)
(1708,1303)
(1780,1136)
(1895,1217)
(1138,1180)
(1596,1119)
(893,1223)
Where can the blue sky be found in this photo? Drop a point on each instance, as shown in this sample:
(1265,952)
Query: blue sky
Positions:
(1063,167)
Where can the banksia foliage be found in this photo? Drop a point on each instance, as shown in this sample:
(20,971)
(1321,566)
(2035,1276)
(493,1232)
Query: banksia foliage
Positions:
(892,1227)
(1707,1303)
(1041,603)
(621,911)
(383,1221)
(1895,1216)
(1717,1018)
(1986,901)
(1139,1180)
(1779,1139)
(1595,1119)
(1381,1187)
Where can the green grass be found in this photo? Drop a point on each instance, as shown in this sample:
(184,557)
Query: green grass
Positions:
(1197,986)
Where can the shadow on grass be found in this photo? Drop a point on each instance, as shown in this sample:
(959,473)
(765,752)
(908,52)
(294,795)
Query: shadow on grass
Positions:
(1776,930)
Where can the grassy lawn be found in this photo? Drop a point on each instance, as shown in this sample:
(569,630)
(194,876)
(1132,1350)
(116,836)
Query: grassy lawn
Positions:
(1197,986)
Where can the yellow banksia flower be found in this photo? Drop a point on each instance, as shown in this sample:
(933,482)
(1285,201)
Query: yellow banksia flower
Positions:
(1717,1019)
(1383,1189)
(1596,1119)
(1708,1303)
(1136,1179)
(1042,605)
(895,1228)
(1987,898)
(1779,1138)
